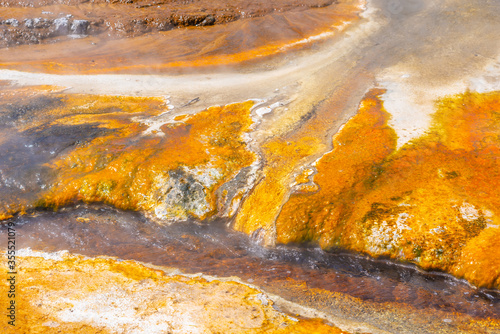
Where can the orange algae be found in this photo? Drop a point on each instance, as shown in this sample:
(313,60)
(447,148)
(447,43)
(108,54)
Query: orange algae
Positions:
(479,260)
(174,172)
(47,106)
(444,187)
(120,160)
(434,202)
(489,323)
(260,209)
(303,177)
(39,113)
(311,326)
(284,158)
(359,148)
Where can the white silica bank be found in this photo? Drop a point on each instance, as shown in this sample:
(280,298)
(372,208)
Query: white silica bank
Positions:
(469,212)
(489,81)
(119,310)
(56,256)
(410,103)
(268,109)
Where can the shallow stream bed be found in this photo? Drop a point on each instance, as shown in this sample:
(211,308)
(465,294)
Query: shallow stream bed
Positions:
(291,272)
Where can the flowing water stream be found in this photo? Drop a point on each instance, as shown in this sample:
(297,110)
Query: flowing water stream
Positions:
(218,251)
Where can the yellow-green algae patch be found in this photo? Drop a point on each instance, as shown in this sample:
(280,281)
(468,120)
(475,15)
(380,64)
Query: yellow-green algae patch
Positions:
(433,202)
(60,292)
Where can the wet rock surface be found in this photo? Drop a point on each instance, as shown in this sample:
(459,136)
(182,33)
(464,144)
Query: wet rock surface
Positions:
(126,18)
(79,27)
(130,39)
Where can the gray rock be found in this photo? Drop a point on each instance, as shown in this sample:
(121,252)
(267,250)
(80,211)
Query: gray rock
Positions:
(28,23)
(12,22)
(61,26)
(79,27)
(41,23)
(183,196)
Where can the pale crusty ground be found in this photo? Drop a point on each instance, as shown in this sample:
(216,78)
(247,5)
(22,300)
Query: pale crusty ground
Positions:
(61,292)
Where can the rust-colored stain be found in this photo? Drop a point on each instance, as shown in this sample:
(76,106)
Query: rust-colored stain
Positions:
(433,202)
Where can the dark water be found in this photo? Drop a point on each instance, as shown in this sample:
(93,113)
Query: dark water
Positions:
(216,250)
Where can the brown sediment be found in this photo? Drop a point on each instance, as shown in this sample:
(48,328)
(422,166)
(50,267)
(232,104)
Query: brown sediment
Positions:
(62,292)
(34,23)
(433,202)
(129,18)
(241,41)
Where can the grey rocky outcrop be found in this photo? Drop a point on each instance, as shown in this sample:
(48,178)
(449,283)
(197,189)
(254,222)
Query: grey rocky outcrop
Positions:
(40,23)
(61,26)
(79,27)
(12,22)
(28,23)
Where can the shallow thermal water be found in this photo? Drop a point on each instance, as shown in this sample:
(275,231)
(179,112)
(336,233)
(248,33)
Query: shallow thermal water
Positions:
(217,250)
